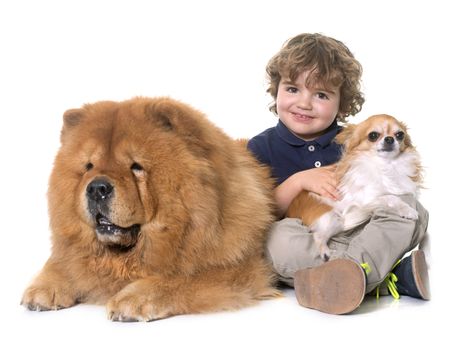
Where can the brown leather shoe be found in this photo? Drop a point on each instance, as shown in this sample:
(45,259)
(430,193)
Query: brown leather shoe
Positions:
(336,287)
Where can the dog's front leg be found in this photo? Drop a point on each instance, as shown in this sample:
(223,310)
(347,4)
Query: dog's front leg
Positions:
(215,289)
(328,225)
(50,290)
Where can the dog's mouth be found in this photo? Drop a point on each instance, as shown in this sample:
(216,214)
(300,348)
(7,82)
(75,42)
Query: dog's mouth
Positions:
(386,148)
(112,234)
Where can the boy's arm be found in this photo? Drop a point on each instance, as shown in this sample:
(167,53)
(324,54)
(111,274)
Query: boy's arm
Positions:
(285,193)
(318,180)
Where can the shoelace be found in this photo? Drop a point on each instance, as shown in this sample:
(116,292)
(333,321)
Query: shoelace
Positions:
(366,267)
(391,280)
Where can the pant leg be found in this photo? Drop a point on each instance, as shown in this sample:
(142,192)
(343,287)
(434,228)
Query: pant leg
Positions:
(380,242)
(384,240)
(291,247)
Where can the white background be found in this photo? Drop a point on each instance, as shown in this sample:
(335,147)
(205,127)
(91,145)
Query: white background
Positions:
(56,55)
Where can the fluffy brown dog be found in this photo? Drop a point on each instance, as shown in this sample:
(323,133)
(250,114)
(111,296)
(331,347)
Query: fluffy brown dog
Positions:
(154,212)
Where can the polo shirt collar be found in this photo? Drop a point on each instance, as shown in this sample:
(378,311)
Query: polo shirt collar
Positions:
(324,140)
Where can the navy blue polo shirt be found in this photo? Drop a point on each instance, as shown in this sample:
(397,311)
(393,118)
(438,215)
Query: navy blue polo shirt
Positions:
(287,154)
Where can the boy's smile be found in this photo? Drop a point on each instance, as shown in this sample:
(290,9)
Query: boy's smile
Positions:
(302,117)
(306,110)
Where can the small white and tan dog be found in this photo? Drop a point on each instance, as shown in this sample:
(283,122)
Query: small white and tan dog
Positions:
(378,164)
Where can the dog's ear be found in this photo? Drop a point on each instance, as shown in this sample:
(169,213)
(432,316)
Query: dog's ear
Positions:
(176,117)
(162,113)
(345,134)
(407,139)
(71,118)
(171,115)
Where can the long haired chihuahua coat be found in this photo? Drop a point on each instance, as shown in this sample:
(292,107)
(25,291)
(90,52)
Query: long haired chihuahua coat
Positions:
(378,164)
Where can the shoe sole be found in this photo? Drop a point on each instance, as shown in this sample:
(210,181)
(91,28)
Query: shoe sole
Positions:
(336,287)
(420,274)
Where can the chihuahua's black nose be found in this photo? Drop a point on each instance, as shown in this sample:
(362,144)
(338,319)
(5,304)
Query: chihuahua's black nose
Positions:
(389,140)
(99,190)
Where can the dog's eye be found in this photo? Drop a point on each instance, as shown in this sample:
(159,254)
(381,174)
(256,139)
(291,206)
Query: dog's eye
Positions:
(399,135)
(89,166)
(373,136)
(136,167)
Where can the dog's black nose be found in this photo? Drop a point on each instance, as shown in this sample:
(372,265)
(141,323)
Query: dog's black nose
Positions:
(99,190)
(389,140)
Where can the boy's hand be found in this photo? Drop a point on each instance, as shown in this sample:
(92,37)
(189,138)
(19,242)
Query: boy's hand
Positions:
(321,181)
(318,180)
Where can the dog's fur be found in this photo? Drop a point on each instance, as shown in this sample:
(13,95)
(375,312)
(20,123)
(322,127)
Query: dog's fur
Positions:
(154,212)
(379,163)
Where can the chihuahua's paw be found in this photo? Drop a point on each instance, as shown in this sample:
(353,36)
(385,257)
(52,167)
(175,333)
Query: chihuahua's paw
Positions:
(400,207)
(408,212)
(325,253)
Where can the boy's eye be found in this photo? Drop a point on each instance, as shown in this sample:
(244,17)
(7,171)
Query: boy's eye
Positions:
(291,89)
(322,95)
(373,136)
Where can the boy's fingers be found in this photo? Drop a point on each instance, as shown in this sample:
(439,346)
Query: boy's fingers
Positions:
(330,191)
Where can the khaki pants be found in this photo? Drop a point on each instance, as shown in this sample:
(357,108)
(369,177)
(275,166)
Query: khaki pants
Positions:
(380,242)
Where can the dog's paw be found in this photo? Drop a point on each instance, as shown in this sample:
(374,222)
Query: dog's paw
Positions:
(135,303)
(40,298)
(325,253)
(321,242)
(408,212)
(400,207)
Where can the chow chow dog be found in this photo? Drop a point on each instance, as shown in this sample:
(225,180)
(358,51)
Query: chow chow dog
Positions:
(154,212)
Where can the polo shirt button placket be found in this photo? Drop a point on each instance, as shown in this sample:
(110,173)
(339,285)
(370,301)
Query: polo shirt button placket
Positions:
(311,148)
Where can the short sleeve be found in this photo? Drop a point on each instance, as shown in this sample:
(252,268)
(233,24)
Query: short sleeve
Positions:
(258,151)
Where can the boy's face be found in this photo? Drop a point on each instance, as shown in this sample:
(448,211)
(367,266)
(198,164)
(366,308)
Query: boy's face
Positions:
(306,111)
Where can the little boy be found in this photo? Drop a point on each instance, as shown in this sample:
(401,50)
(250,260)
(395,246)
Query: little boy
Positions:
(315,82)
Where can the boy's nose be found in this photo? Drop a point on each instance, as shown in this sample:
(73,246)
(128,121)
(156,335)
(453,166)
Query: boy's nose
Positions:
(305,103)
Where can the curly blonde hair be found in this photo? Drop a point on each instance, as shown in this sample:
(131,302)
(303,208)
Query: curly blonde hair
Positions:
(330,63)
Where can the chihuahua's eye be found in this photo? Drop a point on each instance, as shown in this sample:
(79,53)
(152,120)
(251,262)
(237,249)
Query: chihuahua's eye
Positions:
(373,136)
(399,135)
(136,167)
(88,166)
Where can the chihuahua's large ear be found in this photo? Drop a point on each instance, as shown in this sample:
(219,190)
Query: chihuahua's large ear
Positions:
(71,118)
(407,139)
(345,134)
